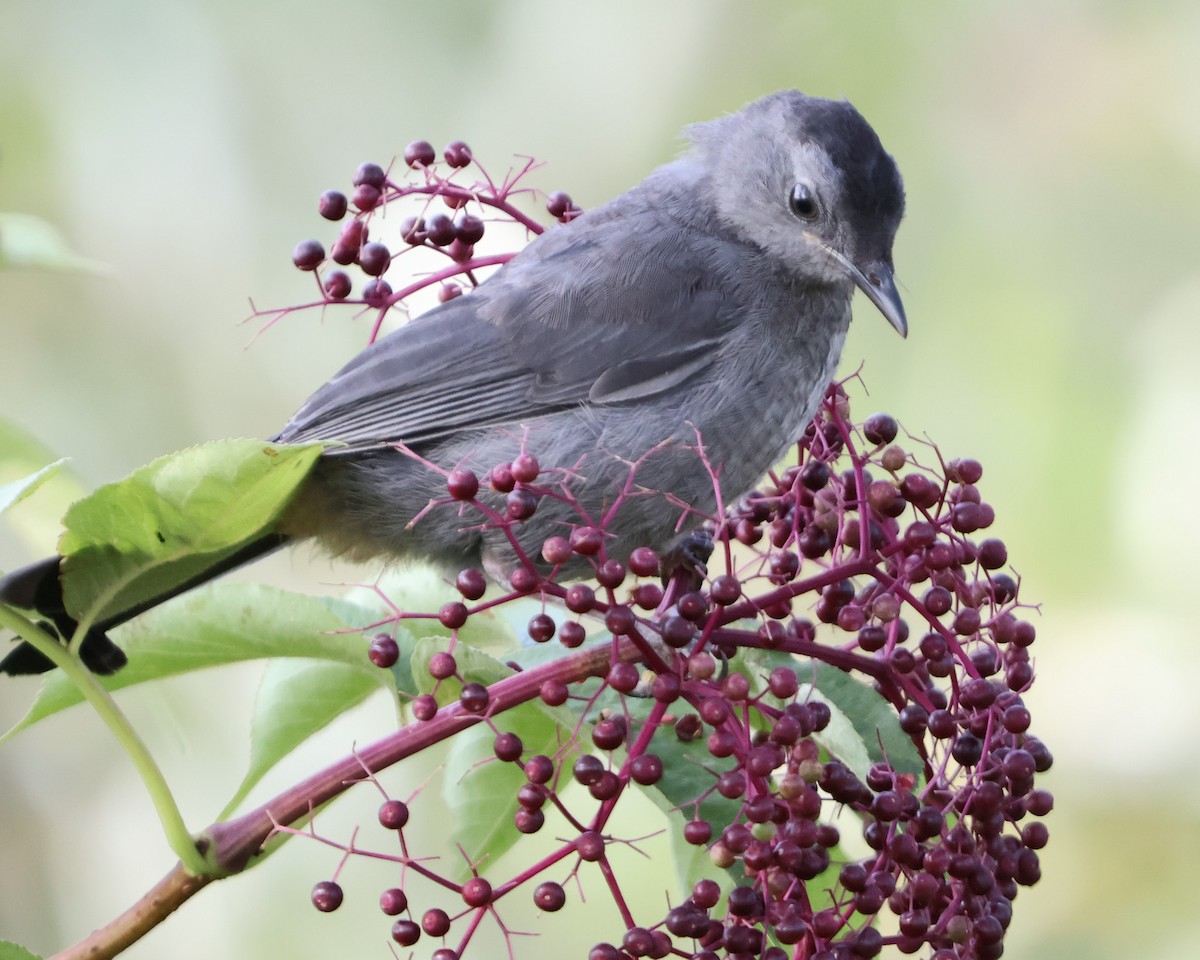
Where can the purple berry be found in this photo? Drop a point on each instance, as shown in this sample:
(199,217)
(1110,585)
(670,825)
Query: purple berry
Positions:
(371,174)
(337,285)
(462,484)
(377,293)
(327,896)
(474,698)
(383,651)
(366,197)
(643,562)
(308,254)
(393,814)
(332,205)
(419,153)
(457,154)
(406,932)
(471,583)
(549,896)
(374,259)
(477,892)
(393,901)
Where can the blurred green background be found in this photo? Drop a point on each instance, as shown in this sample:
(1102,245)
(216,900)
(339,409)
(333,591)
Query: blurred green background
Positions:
(1050,265)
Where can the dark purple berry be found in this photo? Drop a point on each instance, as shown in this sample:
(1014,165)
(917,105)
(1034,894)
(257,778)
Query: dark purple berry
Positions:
(541,628)
(424,707)
(308,254)
(611,573)
(525,468)
(725,590)
(332,205)
(880,428)
(964,471)
(520,504)
(374,258)
(376,293)
(620,621)
(477,892)
(992,554)
(419,153)
(365,197)
(471,583)
(327,896)
(539,769)
(623,677)
(393,814)
(439,230)
(337,285)
(586,541)
(383,651)
(474,698)
(453,615)
(590,846)
(393,901)
(435,922)
(643,562)
(558,203)
(572,634)
(646,769)
(457,154)
(549,896)
(469,229)
(443,665)
(507,747)
(406,932)
(462,484)
(371,174)
(609,734)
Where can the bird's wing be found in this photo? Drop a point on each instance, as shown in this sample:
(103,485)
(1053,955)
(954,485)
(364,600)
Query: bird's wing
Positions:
(582,316)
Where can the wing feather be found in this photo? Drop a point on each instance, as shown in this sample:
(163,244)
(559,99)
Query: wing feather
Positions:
(586,314)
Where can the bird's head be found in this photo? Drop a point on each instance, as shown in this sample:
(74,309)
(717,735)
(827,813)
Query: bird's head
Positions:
(807,181)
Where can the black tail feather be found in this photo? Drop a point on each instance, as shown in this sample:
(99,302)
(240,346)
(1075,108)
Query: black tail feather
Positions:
(38,587)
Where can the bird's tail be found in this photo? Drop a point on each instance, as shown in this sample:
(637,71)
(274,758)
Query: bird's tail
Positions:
(38,588)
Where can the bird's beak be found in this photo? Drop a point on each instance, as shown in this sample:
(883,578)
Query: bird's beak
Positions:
(875,280)
(878,283)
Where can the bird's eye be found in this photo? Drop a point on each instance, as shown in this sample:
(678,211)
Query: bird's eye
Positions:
(803,203)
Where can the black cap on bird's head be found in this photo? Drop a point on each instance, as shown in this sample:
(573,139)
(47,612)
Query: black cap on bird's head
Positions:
(808,181)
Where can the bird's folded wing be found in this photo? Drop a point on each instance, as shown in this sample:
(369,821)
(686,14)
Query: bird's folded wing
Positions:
(577,322)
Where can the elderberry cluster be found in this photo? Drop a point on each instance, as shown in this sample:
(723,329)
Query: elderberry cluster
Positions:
(848,670)
(854,585)
(451,234)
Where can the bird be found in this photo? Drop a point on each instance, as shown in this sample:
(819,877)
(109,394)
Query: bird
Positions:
(706,306)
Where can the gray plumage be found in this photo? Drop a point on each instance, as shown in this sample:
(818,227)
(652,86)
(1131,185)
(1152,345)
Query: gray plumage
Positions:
(696,304)
(711,301)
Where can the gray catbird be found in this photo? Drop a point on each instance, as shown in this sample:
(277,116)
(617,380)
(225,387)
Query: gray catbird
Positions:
(708,303)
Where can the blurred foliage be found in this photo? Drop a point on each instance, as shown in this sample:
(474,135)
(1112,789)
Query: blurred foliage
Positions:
(1048,265)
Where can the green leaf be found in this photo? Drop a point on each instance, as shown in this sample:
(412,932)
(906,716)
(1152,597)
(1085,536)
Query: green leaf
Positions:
(220,624)
(28,242)
(16,491)
(14,951)
(144,536)
(39,521)
(296,698)
(874,720)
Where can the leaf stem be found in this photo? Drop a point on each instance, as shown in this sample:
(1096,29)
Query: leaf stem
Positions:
(93,691)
